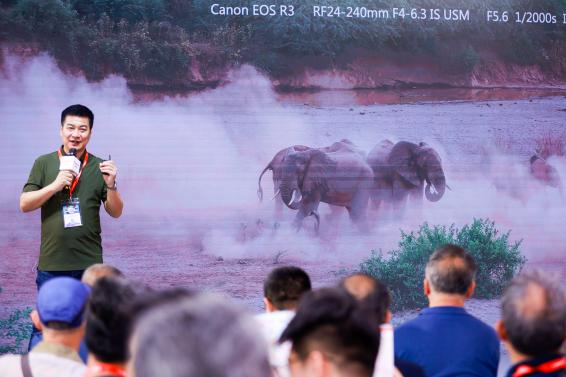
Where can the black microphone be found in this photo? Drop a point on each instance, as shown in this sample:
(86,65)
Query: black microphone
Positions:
(72,152)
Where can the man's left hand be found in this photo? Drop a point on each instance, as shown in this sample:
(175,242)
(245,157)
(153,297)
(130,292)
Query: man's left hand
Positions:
(109,172)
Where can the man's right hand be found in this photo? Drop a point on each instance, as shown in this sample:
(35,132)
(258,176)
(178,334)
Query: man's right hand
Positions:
(63,179)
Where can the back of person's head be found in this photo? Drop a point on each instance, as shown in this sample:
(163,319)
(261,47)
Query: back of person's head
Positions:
(450,269)
(204,335)
(330,323)
(99,270)
(61,303)
(79,111)
(533,312)
(109,318)
(284,287)
(373,296)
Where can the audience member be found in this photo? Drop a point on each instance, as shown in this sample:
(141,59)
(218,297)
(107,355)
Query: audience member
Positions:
(199,336)
(282,290)
(59,314)
(331,336)
(89,277)
(99,270)
(374,299)
(533,326)
(108,320)
(444,339)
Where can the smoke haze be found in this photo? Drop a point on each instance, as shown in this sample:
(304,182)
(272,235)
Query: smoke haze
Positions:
(188,165)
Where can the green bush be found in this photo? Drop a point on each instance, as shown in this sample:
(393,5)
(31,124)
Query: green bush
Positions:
(15,331)
(402,271)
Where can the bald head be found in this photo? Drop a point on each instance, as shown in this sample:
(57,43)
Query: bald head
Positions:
(533,312)
(373,295)
(100,270)
(359,285)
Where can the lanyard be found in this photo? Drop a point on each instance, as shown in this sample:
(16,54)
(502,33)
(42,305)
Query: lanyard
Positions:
(548,367)
(76,180)
(106,369)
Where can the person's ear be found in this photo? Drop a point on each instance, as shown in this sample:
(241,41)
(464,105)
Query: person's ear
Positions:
(388,316)
(501,331)
(426,287)
(471,289)
(269,307)
(34,315)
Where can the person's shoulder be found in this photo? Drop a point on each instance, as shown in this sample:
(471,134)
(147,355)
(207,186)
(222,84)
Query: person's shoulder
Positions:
(95,158)
(47,157)
(9,363)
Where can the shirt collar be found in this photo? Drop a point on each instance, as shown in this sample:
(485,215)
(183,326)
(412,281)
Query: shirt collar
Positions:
(57,349)
(444,310)
(533,362)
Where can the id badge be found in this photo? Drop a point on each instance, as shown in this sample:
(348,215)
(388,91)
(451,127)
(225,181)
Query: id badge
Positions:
(71,213)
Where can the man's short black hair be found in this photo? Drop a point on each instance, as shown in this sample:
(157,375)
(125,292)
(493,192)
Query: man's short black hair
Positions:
(329,320)
(79,111)
(284,286)
(109,319)
(450,269)
(533,312)
(374,301)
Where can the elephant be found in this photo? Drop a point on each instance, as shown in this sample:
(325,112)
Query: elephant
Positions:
(400,171)
(542,171)
(276,163)
(337,175)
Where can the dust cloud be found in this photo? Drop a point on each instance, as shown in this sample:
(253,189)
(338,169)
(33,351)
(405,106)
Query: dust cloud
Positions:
(188,166)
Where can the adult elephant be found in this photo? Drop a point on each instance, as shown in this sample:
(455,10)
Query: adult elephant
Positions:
(337,175)
(276,163)
(402,169)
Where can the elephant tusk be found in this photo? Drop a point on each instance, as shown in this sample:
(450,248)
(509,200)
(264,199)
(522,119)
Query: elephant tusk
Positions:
(293,198)
(276,193)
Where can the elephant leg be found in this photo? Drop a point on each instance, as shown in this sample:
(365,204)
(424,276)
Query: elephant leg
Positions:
(317,224)
(298,222)
(400,192)
(358,209)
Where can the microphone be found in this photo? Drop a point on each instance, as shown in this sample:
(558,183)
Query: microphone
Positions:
(70,162)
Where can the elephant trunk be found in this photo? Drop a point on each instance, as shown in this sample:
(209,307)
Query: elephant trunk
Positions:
(291,197)
(435,187)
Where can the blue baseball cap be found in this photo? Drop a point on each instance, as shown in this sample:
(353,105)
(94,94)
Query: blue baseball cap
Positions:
(62,299)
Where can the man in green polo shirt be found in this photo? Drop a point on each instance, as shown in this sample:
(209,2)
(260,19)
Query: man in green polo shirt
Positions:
(70,203)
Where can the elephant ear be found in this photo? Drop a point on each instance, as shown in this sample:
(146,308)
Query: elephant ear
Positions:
(402,161)
(318,169)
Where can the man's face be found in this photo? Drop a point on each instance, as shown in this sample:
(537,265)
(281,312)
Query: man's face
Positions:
(75,133)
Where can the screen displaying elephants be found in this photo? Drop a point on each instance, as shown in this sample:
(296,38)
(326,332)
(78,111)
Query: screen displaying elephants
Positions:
(292,132)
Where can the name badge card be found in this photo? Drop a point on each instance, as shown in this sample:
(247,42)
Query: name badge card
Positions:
(71,213)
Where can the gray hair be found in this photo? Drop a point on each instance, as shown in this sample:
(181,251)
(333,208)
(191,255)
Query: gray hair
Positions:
(100,270)
(533,312)
(200,336)
(450,269)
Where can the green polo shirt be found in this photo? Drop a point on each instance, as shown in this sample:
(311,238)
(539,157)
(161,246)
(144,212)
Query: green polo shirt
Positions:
(66,249)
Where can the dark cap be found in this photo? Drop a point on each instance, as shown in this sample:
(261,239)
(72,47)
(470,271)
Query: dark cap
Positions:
(62,299)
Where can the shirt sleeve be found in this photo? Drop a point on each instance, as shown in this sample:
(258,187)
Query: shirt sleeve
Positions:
(36,178)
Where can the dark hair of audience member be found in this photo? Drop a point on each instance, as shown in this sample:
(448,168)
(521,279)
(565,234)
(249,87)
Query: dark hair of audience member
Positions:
(284,286)
(204,335)
(450,269)
(108,319)
(79,111)
(534,314)
(372,295)
(330,321)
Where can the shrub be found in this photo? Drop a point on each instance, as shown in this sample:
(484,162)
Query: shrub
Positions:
(402,271)
(15,331)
